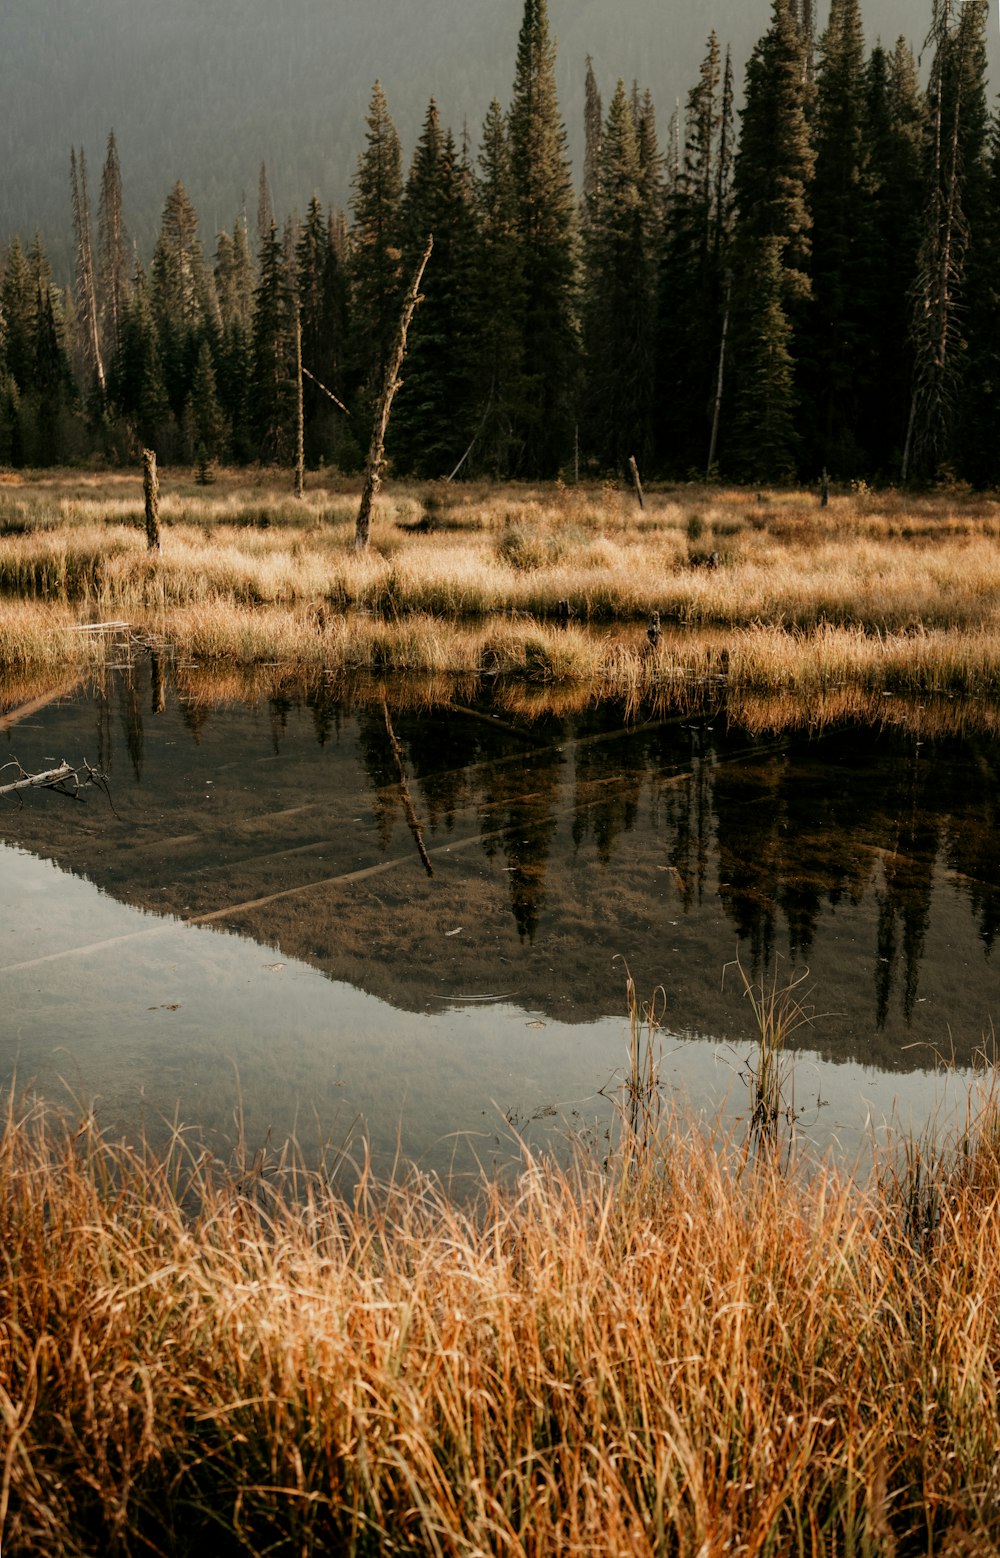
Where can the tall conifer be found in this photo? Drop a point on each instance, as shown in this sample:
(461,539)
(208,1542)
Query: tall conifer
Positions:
(544,210)
(376,270)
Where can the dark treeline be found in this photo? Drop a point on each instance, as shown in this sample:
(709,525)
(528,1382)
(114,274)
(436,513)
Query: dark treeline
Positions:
(807,284)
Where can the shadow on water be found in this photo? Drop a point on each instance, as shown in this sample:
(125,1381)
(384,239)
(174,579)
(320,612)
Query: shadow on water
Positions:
(440,846)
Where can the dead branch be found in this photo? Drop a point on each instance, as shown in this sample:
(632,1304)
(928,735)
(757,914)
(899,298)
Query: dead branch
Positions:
(320,385)
(64,779)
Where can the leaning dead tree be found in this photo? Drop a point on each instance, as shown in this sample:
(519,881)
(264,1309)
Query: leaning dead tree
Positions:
(64,779)
(391,383)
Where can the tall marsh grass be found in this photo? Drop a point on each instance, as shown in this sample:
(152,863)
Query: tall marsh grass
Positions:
(881,593)
(694,1357)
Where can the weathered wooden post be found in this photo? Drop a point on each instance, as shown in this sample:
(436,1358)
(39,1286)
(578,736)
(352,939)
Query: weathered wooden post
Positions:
(635,480)
(151,492)
(824,489)
(376,450)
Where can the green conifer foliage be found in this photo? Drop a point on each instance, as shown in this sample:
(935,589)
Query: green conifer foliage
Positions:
(957,183)
(272,391)
(620,295)
(497,340)
(893,136)
(841,251)
(204,423)
(17,307)
(691,283)
(774,164)
(544,224)
(435,413)
(376,273)
(322,295)
(763,442)
(771,251)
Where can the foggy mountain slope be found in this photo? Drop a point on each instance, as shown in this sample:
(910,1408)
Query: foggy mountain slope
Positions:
(206,92)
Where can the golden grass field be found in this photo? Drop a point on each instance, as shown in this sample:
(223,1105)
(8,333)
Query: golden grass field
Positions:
(877,591)
(683,1350)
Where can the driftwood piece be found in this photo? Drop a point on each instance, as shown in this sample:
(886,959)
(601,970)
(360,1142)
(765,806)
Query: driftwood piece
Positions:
(376,450)
(64,779)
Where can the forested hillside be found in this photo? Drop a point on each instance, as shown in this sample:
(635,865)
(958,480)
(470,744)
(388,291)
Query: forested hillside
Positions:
(808,281)
(206,92)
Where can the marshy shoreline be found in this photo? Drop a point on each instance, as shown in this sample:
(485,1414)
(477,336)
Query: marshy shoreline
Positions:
(668,1344)
(538,585)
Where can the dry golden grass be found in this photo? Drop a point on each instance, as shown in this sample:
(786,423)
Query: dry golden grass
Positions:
(877,590)
(690,1354)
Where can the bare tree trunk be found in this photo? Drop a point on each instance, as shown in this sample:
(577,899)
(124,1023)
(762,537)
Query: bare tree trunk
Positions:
(717,408)
(151,492)
(376,450)
(300,446)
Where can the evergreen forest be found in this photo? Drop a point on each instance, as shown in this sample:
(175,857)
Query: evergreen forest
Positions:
(807,283)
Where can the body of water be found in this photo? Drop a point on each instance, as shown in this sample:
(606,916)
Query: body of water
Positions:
(369,916)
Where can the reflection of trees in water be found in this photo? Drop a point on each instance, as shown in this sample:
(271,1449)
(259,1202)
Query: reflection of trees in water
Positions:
(517,813)
(608,781)
(130,708)
(798,824)
(326,711)
(278,709)
(973,838)
(682,808)
(383,776)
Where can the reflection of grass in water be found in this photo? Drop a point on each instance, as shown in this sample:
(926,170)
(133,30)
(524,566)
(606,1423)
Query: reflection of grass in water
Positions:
(682,1358)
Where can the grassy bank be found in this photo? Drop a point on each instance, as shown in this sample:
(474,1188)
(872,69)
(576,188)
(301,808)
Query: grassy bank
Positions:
(873,591)
(700,1355)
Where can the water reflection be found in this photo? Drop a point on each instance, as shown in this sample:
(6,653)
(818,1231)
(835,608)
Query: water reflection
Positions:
(430,850)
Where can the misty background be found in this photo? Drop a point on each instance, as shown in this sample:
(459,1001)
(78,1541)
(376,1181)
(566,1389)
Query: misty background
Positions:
(205,90)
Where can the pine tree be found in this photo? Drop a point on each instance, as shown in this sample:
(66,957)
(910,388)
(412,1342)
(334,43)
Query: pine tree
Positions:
(112,248)
(376,271)
(203,418)
(234,272)
(271,387)
(894,136)
(322,310)
(137,388)
(763,442)
(544,210)
(831,341)
(499,286)
(265,208)
(957,180)
(17,312)
(771,250)
(593,125)
(185,305)
(691,275)
(435,413)
(774,164)
(619,298)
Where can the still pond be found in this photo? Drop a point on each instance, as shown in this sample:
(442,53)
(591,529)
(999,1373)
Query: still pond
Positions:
(405,918)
